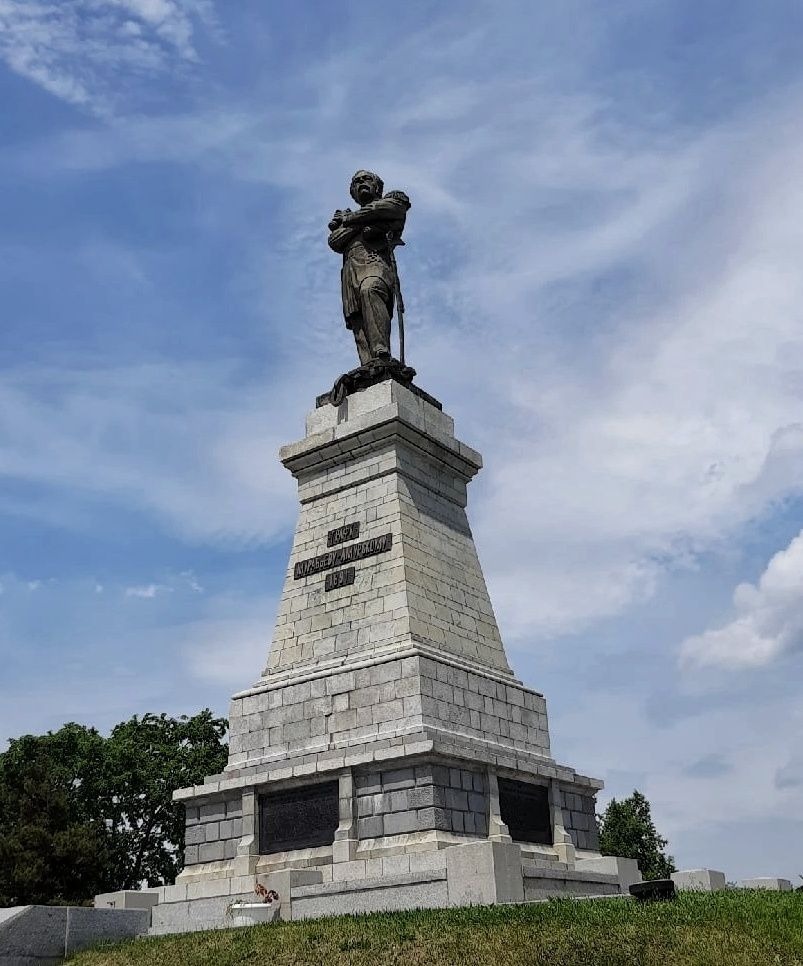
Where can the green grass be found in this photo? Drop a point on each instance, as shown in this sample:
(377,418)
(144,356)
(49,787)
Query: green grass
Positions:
(720,929)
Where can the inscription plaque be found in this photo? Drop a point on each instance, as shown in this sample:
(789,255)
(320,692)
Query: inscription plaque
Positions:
(339,578)
(298,818)
(525,811)
(349,531)
(343,555)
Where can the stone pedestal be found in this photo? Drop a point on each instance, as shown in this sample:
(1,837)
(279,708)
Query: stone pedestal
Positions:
(387,726)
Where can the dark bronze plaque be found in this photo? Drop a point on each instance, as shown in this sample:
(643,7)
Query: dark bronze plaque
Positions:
(339,578)
(298,818)
(525,811)
(350,531)
(343,555)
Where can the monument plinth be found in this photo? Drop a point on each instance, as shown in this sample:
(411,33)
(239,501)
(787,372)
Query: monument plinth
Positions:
(387,757)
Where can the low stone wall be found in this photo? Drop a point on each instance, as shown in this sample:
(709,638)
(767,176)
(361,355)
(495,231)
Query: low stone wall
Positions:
(43,935)
(420,799)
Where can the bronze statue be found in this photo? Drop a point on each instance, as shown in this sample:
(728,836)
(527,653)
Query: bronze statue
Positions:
(366,239)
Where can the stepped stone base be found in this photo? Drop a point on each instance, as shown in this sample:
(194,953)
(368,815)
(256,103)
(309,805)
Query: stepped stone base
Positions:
(480,873)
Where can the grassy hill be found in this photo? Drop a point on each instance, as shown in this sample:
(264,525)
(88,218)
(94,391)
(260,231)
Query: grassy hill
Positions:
(720,929)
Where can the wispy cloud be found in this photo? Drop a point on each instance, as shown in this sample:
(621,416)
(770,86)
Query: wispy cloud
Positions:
(186,444)
(146,591)
(80,50)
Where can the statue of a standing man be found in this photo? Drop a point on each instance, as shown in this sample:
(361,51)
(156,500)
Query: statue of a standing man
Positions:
(366,239)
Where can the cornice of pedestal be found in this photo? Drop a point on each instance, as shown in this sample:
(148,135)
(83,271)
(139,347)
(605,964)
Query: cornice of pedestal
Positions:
(393,652)
(401,744)
(370,419)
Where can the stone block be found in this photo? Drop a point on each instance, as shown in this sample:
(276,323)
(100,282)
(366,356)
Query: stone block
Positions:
(397,823)
(368,784)
(346,871)
(626,870)
(234,807)
(399,801)
(210,852)
(427,796)
(767,882)
(194,835)
(393,865)
(213,811)
(699,880)
(371,828)
(433,818)
(484,873)
(440,775)
(427,861)
(127,899)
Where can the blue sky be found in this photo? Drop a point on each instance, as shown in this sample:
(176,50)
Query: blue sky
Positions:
(604,289)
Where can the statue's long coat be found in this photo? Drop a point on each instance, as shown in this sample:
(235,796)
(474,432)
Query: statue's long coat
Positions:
(367,257)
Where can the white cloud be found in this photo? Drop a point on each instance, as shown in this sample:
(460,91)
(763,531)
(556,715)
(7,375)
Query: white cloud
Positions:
(232,652)
(188,444)
(768,621)
(79,50)
(146,591)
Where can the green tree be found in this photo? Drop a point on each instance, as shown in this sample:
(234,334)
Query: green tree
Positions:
(626,828)
(146,759)
(81,814)
(53,840)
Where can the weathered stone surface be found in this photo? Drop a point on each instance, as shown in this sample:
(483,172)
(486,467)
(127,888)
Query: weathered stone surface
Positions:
(699,880)
(41,934)
(127,899)
(625,870)
(542,884)
(483,873)
(767,882)
(423,890)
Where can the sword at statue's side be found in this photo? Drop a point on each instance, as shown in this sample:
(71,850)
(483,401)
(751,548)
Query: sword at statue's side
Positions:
(393,241)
